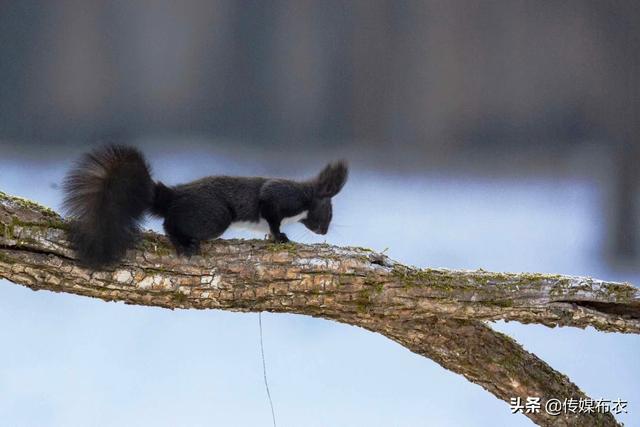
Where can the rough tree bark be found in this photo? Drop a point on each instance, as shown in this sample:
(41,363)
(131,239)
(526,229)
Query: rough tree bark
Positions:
(437,313)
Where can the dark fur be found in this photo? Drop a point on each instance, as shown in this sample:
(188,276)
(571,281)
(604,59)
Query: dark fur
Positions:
(110,189)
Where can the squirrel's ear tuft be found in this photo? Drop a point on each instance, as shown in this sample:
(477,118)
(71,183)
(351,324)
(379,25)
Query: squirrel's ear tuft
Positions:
(330,181)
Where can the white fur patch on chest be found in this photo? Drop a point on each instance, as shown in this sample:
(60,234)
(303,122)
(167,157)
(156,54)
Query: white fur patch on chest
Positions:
(263,227)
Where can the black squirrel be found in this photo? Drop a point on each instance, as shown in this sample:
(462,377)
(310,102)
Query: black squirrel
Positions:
(110,189)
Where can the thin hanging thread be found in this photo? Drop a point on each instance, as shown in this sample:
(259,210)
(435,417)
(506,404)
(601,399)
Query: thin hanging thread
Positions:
(264,371)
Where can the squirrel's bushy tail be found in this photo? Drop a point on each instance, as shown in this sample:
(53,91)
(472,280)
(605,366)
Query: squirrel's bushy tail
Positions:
(106,196)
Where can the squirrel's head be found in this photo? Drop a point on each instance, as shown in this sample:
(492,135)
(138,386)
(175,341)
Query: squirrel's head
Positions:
(327,184)
(319,216)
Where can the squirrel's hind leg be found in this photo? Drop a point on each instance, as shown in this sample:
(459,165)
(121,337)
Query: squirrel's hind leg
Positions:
(184,245)
(187,247)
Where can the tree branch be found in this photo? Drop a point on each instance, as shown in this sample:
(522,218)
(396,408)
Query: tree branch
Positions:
(434,312)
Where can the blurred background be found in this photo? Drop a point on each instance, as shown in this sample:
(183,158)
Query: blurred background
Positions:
(503,135)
